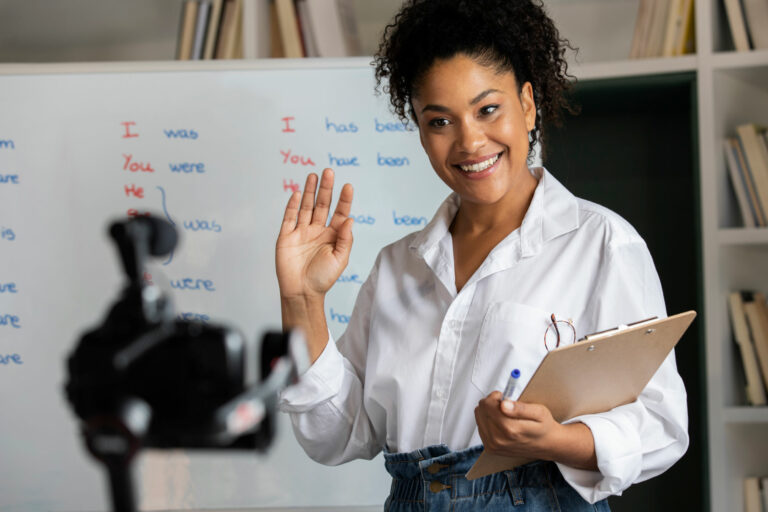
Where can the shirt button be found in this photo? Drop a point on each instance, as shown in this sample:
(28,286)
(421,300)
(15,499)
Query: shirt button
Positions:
(440,394)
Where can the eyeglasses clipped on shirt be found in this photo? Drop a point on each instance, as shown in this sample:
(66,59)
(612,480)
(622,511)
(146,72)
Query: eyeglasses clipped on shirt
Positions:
(559,331)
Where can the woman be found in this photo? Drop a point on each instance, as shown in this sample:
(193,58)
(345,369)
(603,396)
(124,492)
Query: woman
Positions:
(447,312)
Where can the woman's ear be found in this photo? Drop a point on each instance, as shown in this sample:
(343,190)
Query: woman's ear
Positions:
(529,106)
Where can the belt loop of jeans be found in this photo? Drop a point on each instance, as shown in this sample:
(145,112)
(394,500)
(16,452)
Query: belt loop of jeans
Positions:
(515,483)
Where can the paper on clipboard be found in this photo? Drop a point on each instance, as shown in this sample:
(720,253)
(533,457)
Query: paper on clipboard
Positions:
(597,374)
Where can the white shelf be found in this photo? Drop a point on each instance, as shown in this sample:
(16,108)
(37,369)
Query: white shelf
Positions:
(746,415)
(743,236)
(634,67)
(732,60)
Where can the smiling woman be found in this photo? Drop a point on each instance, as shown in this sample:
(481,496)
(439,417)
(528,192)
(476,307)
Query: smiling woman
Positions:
(448,311)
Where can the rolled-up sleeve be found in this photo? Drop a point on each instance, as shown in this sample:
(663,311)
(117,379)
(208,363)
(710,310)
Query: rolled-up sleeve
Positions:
(326,405)
(640,440)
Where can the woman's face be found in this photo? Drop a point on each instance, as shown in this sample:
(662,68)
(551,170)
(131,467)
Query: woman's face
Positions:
(474,126)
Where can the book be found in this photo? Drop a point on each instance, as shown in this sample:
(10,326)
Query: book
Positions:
(752,498)
(187,30)
(201,26)
(642,26)
(686,36)
(275,41)
(333,26)
(754,309)
(214,20)
(289,28)
(738,180)
(756,14)
(737,24)
(761,217)
(348,18)
(228,32)
(764,486)
(674,23)
(307,32)
(754,386)
(655,43)
(756,157)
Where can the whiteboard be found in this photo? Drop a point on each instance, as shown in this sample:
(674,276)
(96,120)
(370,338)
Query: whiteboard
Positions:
(216,148)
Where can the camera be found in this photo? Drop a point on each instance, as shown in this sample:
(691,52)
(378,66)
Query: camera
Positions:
(144,379)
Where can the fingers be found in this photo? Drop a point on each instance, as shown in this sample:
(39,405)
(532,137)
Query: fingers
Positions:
(344,240)
(323,202)
(523,411)
(308,200)
(291,214)
(343,207)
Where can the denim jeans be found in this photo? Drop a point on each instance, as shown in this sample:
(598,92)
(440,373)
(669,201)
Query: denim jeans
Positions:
(433,479)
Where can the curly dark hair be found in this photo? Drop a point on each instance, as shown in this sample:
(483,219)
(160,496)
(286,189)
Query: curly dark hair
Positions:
(508,35)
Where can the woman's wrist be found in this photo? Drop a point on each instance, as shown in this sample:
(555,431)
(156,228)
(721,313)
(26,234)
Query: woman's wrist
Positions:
(574,446)
(306,312)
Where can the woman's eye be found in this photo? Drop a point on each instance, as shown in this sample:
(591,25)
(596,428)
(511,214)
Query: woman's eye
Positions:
(438,122)
(488,109)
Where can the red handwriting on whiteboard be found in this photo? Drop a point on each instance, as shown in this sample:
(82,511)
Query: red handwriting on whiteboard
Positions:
(133,190)
(128,134)
(287,121)
(132,212)
(290,185)
(133,166)
(295,159)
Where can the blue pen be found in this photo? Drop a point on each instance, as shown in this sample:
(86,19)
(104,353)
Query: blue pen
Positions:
(511,384)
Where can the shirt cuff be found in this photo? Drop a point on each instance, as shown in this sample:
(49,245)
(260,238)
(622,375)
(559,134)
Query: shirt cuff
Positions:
(619,457)
(321,382)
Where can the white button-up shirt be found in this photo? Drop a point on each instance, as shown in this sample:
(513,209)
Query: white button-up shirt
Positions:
(418,356)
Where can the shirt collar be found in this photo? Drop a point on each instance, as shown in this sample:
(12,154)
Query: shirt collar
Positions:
(553,211)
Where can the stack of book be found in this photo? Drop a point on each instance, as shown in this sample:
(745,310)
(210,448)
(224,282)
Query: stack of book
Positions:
(232,29)
(210,29)
(748,20)
(663,28)
(749,321)
(756,494)
(747,158)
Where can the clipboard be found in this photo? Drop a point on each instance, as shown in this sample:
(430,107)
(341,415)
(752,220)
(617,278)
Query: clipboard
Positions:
(598,373)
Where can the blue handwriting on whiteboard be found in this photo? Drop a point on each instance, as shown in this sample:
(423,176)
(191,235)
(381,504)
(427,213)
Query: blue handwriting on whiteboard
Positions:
(181,134)
(10,358)
(9,178)
(340,161)
(7,144)
(202,225)
(188,283)
(364,219)
(391,161)
(407,220)
(340,127)
(195,317)
(337,317)
(11,320)
(188,167)
(349,278)
(8,288)
(390,126)
(7,234)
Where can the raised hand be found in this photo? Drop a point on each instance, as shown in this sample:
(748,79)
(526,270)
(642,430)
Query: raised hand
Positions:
(310,255)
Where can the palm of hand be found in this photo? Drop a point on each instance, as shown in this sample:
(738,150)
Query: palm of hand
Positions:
(311,255)
(306,263)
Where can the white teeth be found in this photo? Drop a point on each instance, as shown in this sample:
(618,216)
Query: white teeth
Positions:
(480,166)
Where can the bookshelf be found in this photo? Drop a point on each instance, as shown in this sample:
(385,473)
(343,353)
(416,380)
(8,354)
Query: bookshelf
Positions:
(719,87)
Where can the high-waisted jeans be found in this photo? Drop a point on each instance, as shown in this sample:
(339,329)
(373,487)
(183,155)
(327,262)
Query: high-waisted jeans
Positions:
(432,478)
